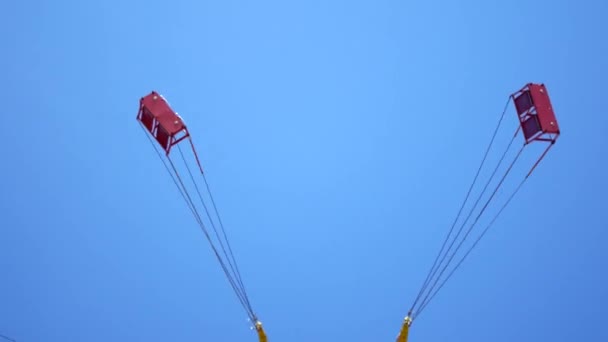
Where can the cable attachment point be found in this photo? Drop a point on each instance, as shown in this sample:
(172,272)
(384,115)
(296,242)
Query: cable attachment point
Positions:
(261,332)
(405,329)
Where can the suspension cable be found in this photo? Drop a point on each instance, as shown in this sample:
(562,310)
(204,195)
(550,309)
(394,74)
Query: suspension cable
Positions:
(232,262)
(426,299)
(475,243)
(226,238)
(191,205)
(7,338)
(435,266)
(219,258)
(470,214)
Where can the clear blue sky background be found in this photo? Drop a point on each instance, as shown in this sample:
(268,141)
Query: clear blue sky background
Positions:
(339,138)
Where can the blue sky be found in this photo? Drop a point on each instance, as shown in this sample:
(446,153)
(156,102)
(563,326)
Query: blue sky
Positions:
(339,138)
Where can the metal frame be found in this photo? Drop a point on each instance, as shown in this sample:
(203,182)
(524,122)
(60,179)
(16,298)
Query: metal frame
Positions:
(166,137)
(537,107)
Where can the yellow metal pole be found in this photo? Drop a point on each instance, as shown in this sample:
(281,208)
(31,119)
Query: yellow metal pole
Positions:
(261,333)
(405,330)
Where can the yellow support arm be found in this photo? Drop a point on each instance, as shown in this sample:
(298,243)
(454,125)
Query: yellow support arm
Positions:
(261,333)
(405,330)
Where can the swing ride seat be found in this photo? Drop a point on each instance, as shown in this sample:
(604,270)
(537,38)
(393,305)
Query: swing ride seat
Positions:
(535,113)
(538,123)
(166,126)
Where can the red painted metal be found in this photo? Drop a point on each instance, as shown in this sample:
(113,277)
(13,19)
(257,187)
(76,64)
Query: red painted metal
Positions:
(161,121)
(535,113)
(166,126)
(536,116)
